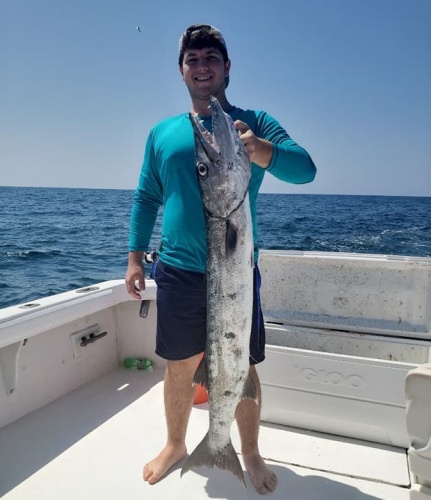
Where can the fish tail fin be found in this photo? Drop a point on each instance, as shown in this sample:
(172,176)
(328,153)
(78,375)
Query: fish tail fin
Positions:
(249,391)
(225,459)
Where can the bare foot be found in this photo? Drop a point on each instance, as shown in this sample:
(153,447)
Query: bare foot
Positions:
(262,477)
(159,466)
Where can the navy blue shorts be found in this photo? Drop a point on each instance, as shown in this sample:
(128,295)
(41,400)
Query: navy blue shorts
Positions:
(181,314)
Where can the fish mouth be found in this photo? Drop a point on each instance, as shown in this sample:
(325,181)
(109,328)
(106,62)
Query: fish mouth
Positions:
(206,139)
(223,132)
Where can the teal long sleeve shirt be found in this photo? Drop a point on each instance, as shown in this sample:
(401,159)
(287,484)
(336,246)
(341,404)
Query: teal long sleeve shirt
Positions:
(168,178)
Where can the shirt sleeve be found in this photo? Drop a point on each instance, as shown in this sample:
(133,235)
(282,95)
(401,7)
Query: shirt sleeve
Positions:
(147,199)
(290,162)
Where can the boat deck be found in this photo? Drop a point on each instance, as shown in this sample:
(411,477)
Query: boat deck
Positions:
(92,443)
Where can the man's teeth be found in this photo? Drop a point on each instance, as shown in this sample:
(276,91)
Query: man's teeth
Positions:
(202,78)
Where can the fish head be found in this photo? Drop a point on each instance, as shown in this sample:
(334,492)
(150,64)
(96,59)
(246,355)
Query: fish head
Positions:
(222,163)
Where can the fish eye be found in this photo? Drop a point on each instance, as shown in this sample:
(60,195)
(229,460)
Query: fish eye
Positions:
(202,169)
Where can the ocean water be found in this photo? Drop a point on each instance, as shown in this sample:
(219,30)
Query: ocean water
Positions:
(53,240)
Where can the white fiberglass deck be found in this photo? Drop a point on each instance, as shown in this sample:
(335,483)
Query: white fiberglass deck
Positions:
(92,443)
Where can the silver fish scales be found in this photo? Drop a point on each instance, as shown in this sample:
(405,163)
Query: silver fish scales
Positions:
(223,170)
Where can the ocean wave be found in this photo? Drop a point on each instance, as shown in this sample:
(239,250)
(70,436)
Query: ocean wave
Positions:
(33,254)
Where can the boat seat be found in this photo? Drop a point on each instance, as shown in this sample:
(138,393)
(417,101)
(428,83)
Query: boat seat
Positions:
(418,394)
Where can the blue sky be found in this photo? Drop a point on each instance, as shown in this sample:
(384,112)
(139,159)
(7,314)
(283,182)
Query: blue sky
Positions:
(350,80)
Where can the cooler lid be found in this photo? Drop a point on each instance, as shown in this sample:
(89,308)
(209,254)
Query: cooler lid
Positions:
(386,295)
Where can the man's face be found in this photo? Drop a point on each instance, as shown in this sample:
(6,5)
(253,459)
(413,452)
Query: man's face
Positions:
(204,72)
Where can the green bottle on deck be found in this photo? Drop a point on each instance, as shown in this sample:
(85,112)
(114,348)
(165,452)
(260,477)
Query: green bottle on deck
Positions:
(138,364)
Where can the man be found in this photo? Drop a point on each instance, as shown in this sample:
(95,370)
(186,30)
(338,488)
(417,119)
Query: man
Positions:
(168,178)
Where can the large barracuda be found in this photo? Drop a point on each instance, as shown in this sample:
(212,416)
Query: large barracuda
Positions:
(223,170)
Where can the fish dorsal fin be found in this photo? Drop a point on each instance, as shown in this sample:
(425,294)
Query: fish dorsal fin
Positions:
(201,375)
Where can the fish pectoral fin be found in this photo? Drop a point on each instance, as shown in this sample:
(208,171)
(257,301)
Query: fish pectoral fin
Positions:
(231,238)
(249,391)
(201,375)
(225,459)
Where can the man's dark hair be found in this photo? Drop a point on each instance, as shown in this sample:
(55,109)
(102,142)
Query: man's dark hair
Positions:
(202,36)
